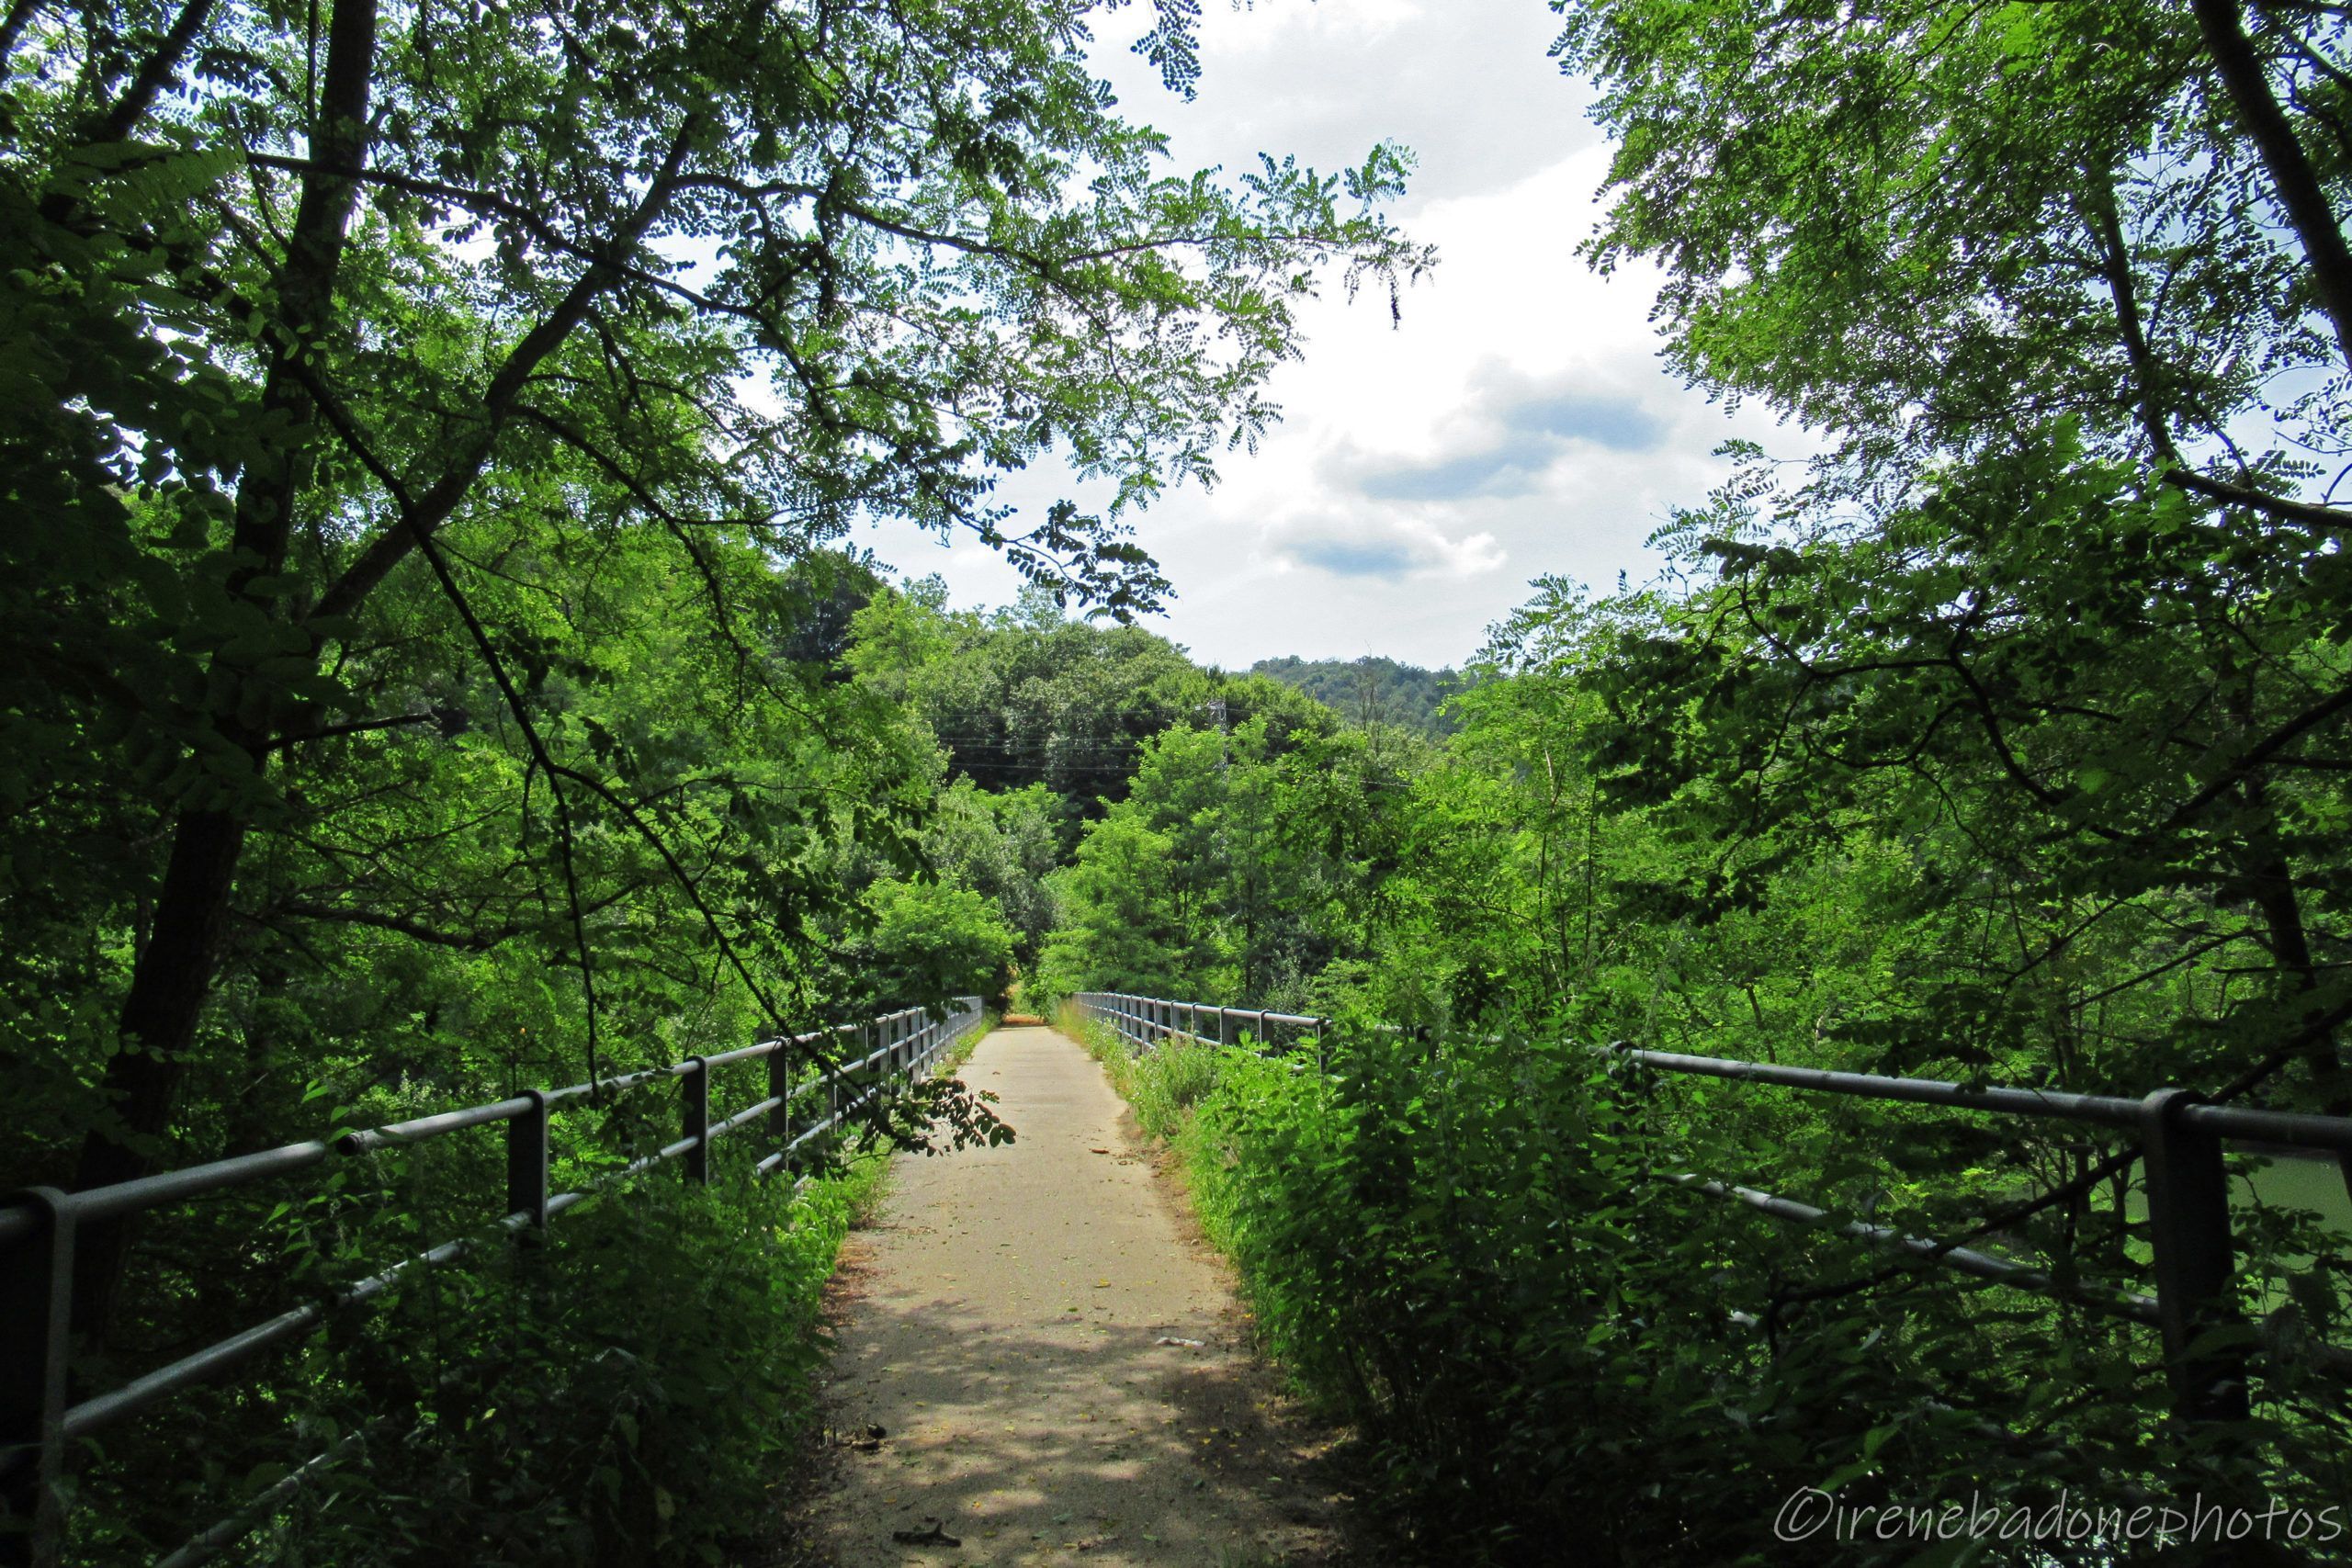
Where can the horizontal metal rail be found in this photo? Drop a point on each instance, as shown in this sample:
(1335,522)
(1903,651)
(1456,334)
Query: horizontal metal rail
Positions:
(2114,1300)
(2179,1139)
(2287,1129)
(1145,1021)
(38,1231)
(245,1520)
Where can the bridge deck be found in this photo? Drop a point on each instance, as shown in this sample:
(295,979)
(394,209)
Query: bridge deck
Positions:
(1007,1325)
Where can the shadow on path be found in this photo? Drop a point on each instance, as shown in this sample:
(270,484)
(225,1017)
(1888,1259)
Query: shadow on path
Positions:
(1058,1364)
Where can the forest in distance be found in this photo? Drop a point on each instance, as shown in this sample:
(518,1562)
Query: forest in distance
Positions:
(432,667)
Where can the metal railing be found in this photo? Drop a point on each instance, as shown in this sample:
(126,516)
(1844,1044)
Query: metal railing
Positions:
(1145,1021)
(2180,1142)
(40,1416)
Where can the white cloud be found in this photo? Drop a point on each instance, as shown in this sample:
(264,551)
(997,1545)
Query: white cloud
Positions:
(1388,547)
(1518,423)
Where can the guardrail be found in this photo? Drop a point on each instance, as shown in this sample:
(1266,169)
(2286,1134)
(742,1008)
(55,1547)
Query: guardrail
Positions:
(39,1415)
(2178,1140)
(1145,1021)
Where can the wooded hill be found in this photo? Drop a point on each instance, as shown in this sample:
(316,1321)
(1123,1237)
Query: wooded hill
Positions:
(1372,690)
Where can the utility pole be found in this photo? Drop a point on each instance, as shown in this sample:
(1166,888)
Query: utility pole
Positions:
(1224,845)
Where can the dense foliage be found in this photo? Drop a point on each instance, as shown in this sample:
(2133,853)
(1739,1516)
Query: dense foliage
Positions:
(1372,690)
(428,670)
(553,1404)
(425,663)
(2006,740)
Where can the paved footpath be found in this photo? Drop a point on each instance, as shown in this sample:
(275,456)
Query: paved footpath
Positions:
(1057,1362)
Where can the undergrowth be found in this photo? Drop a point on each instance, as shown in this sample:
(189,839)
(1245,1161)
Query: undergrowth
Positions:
(628,1389)
(1466,1248)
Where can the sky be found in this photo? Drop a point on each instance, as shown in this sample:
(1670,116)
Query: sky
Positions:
(1517,423)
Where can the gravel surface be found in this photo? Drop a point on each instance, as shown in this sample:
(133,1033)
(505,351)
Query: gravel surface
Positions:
(1053,1360)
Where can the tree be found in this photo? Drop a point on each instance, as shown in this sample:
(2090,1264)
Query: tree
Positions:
(308,329)
(1028,695)
(1004,847)
(1934,230)
(1372,691)
(932,942)
(1238,867)
(1123,926)
(2050,610)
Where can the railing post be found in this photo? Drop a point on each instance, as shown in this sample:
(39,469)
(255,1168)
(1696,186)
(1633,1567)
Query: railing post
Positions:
(36,1305)
(2188,1226)
(693,1092)
(780,1091)
(526,1163)
(833,1079)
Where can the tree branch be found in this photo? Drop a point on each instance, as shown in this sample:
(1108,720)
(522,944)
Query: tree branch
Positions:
(155,73)
(356,727)
(2229,494)
(433,506)
(2262,751)
(465,942)
(515,705)
(2295,183)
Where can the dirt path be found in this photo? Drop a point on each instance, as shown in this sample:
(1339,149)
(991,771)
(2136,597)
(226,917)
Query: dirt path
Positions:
(1056,1362)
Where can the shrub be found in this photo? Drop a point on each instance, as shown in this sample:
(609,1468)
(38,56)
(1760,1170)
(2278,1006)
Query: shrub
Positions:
(624,1392)
(1466,1247)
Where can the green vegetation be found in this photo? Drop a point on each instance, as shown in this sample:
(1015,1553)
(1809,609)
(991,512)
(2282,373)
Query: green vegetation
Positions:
(549,1409)
(427,667)
(1372,690)
(2009,739)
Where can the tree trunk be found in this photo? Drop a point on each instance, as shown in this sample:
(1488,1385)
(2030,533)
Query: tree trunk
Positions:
(2272,884)
(2292,178)
(172,976)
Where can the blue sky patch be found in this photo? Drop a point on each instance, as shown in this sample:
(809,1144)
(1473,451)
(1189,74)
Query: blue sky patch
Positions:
(1355,557)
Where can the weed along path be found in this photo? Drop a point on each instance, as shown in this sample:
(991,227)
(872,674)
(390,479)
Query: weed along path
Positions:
(1055,1362)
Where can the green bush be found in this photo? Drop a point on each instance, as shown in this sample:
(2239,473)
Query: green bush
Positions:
(1466,1247)
(624,1392)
